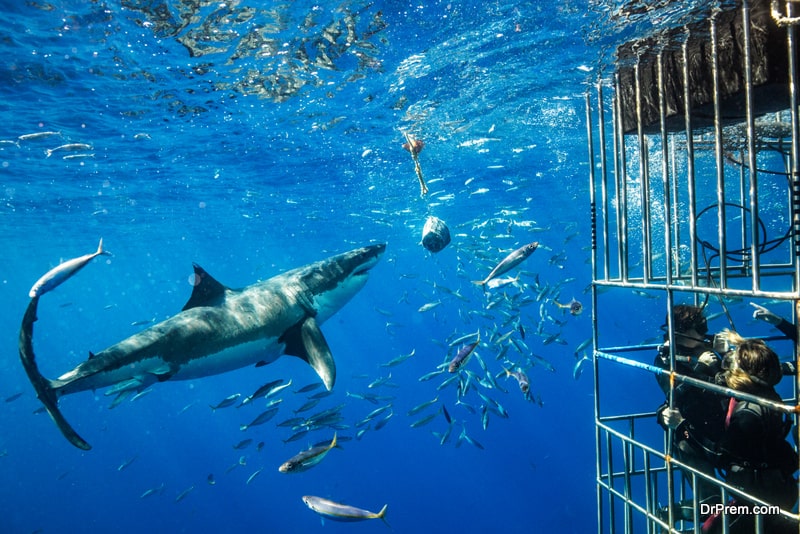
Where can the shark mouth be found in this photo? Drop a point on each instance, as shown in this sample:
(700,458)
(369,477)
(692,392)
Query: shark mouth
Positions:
(373,254)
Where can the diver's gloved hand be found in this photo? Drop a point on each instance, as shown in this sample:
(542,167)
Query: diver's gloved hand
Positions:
(765,315)
(708,363)
(671,417)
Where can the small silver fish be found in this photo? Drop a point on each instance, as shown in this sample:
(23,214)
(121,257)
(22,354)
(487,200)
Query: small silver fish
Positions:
(243,444)
(463,355)
(509,262)
(380,381)
(68,147)
(182,495)
(261,418)
(254,475)
(416,409)
(278,389)
(227,401)
(579,365)
(36,135)
(429,306)
(425,420)
(307,459)
(585,343)
(432,374)
(400,359)
(309,387)
(500,282)
(308,405)
(124,465)
(153,491)
(380,424)
(296,436)
(58,275)
(378,411)
(263,391)
(342,512)
(464,437)
(523,381)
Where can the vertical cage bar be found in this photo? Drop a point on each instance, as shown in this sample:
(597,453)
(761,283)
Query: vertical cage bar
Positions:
(601,124)
(755,246)
(649,503)
(744,187)
(719,157)
(643,174)
(791,38)
(612,516)
(675,213)
(690,167)
(620,182)
(662,117)
(592,195)
(593,201)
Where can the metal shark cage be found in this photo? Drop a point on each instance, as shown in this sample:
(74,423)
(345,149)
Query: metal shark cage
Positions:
(694,151)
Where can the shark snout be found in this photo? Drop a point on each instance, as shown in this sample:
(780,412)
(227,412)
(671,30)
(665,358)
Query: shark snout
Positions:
(370,256)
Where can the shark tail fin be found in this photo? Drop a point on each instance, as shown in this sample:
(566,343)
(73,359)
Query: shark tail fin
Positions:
(44,388)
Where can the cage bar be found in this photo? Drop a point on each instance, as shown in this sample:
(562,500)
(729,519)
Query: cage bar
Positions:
(694,151)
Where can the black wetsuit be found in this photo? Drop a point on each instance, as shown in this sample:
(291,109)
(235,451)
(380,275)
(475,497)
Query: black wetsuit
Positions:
(754,456)
(787,329)
(703,412)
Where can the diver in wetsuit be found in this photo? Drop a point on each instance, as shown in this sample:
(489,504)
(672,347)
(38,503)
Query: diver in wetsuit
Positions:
(786,328)
(697,415)
(752,452)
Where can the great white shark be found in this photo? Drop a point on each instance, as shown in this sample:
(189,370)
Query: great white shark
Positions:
(219,329)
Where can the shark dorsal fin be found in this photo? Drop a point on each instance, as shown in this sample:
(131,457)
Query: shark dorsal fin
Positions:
(207,291)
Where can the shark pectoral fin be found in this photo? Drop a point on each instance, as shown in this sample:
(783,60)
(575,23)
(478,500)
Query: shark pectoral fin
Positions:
(318,353)
(305,340)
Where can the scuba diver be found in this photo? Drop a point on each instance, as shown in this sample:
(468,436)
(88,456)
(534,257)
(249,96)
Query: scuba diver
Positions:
(697,415)
(752,452)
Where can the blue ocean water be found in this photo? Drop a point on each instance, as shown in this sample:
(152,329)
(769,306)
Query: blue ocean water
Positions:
(255,137)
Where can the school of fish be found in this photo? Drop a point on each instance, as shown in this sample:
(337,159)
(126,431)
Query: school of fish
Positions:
(510,324)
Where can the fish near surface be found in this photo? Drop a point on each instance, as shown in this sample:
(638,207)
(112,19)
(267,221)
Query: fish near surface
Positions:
(509,262)
(219,330)
(63,272)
